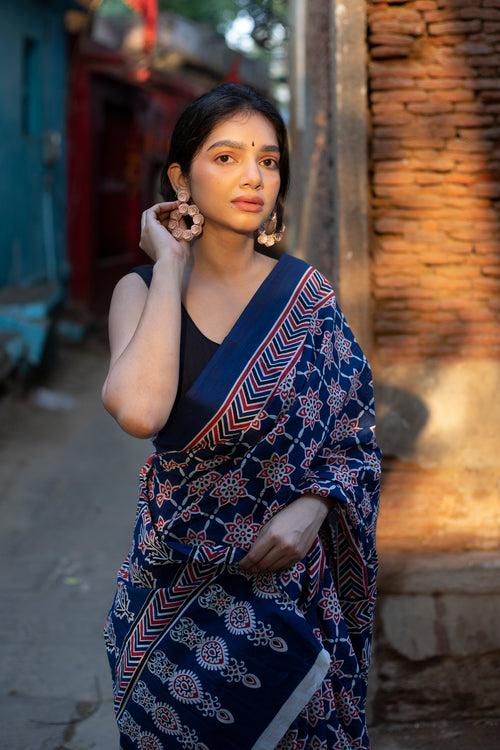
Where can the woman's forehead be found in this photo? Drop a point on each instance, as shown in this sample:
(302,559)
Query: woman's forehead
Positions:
(244,128)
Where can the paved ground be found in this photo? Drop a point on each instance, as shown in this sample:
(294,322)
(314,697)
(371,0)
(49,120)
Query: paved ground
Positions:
(68,505)
(68,483)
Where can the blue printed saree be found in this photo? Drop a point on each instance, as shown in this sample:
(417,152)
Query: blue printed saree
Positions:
(203,654)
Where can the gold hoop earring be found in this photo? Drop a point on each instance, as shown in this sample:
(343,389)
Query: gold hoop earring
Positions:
(185,209)
(263,238)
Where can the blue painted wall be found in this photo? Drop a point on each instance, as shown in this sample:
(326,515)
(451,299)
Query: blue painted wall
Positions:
(33,90)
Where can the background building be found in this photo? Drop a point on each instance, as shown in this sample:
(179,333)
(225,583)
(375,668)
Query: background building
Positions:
(89,101)
(33,267)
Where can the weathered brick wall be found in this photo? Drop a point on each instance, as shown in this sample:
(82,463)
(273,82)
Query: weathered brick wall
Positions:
(434,89)
(434,112)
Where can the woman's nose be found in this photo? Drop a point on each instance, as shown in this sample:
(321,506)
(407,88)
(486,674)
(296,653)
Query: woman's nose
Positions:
(251,172)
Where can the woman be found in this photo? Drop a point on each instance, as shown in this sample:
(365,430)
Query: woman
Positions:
(243,612)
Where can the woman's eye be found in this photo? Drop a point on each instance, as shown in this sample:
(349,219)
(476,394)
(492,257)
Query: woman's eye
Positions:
(227,156)
(223,156)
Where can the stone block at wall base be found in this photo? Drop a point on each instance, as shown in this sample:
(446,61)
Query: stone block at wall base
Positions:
(437,637)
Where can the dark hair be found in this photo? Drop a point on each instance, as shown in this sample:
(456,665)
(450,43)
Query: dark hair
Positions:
(207,111)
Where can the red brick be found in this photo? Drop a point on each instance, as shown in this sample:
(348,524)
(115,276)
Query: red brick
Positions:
(386,177)
(395,281)
(475,314)
(436,84)
(435,258)
(469,119)
(490,96)
(392,40)
(423,304)
(390,82)
(473,232)
(460,144)
(489,14)
(440,164)
(470,166)
(488,247)
(479,62)
(474,48)
(411,95)
(385,52)
(454,95)
(488,284)
(398,70)
(389,151)
(459,178)
(448,67)
(394,226)
(428,178)
(459,271)
(493,133)
(392,165)
(480,84)
(434,130)
(454,27)
(439,16)
(425,5)
(492,270)
(421,143)
(489,189)
(472,106)
(438,282)
(387,106)
(392,118)
(430,108)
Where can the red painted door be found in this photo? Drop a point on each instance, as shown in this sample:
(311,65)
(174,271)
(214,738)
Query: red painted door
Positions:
(116,185)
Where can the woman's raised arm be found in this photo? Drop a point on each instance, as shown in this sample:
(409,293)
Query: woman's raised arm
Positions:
(144,336)
(144,332)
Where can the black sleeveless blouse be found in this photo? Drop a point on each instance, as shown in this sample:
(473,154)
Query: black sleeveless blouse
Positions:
(195,351)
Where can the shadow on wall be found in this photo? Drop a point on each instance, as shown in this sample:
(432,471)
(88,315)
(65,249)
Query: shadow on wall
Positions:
(401,416)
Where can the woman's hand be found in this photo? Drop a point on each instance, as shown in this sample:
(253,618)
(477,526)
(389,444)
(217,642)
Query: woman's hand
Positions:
(156,240)
(287,537)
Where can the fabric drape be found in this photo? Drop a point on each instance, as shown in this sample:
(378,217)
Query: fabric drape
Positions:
(203,654)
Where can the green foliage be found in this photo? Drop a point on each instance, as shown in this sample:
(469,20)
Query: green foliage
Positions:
(216,13)
(220,13)
(268,15)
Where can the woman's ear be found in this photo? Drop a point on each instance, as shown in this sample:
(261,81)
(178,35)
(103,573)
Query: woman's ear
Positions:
(177,179)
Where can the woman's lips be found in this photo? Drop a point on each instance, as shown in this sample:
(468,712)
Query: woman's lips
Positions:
(248,206)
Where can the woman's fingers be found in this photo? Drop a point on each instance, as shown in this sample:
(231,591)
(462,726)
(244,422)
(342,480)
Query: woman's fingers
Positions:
(166,206)
(274,560)
(154,212)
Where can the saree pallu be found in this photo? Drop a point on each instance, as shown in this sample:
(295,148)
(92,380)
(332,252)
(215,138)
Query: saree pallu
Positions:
(203,654)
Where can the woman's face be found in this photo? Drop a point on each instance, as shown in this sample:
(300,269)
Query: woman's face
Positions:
(240,157)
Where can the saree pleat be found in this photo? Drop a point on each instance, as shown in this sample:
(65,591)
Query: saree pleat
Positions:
(203,654)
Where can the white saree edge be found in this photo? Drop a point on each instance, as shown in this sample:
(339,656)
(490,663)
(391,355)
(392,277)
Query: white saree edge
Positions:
(294,704)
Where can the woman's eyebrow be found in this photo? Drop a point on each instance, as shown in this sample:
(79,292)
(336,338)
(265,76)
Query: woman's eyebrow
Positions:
(237,144)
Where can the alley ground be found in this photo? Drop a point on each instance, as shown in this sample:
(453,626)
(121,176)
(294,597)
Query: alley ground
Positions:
(68,481)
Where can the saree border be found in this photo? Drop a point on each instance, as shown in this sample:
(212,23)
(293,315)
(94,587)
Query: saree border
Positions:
(155,619)
(243,372)
(294,703)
